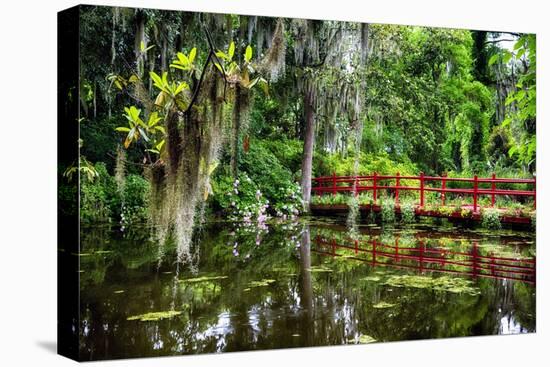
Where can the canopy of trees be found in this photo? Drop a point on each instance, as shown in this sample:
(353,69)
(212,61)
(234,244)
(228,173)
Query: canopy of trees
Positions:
(209,113)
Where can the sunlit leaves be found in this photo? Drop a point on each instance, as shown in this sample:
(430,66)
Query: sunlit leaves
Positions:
(144,49)
(493,59)
(159,82)
(185,62)
(137,128)
(524,101)
(248,54)
(239,73)
(84,167)
(117,80)
(162,83)
(192,55)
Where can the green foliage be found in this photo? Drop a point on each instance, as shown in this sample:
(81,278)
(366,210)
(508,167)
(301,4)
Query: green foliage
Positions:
(408,212)
(525,101)
(387,211)
(101,201)
(84,169)
(432,96)
(138,128)
(289,201)
(446,210)
(271,175)
(329,199)
(135,201)
(368,164)
(98,197)
(466,212)
(241,199)
(490,219)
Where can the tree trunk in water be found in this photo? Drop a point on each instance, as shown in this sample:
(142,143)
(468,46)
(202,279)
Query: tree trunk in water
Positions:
(306,287)
(309,141)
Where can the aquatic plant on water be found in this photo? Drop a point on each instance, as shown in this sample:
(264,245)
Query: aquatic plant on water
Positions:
(155,316)
(442,283)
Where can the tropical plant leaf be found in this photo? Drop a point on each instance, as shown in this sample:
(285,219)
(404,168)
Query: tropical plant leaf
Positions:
(192,55)
(248,54)
(231,50)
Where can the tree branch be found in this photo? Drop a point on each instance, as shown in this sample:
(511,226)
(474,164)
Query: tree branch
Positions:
(500,40)
(211,54)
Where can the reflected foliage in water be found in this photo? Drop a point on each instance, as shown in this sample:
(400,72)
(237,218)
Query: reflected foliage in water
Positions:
(300,284)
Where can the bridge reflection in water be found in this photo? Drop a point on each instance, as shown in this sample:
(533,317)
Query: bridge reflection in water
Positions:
(423,256)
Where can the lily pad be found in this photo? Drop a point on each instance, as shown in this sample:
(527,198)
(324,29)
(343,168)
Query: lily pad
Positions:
(365,339)
(383,305)
(155,316)
(319,269)
(261,283)
(202,279)
(443,283)
(372,278)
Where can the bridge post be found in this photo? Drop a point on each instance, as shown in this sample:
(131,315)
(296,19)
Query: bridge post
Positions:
(397,189)
(374,196)
(443,187)
(334,183)
(421,189)
(493,188)
(475,193)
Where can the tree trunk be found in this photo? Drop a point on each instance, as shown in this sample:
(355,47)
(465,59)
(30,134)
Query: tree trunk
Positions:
(309,141)
(237,111)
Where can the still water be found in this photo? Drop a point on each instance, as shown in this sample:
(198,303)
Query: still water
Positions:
(300,284)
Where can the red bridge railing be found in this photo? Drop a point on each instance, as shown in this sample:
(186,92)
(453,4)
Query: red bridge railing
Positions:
(433,259)
(357,184)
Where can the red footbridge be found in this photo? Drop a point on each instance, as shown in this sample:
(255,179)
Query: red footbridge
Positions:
(476,193)
(422,258)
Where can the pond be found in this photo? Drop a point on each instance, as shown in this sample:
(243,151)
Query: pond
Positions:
(299,284)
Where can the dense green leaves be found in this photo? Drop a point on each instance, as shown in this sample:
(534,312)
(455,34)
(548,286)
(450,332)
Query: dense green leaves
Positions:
(429,99)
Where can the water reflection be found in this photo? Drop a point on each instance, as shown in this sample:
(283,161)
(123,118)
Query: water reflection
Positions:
(301,284)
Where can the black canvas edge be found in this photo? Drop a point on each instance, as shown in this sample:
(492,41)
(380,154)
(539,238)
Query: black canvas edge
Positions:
(68,226)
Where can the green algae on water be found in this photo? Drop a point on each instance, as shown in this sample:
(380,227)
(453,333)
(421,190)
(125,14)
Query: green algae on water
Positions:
(260,283)
(371,278)
(365,339)
(443,283)
(319,269)
(383,304)
(155,316)
(202,279)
